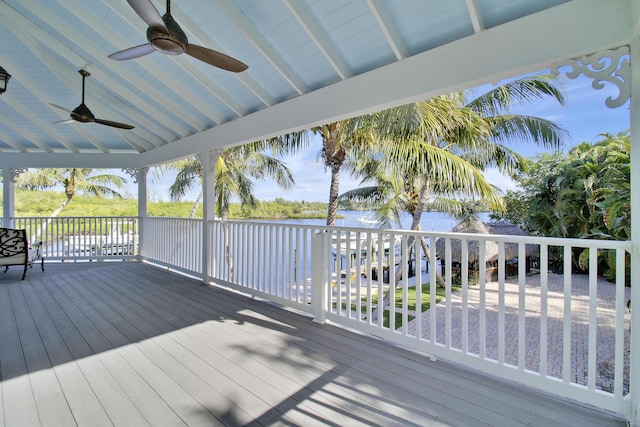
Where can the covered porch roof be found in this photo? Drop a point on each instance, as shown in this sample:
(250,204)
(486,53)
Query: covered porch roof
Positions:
(310,62)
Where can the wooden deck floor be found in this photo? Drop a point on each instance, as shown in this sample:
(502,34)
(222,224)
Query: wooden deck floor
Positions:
(131,345)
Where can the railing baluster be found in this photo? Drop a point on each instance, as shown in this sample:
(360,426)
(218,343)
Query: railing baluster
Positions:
(464,275)
(522,308)
(432,294)
(417,250)
(593,319)
(501,304)
(370,251)
(448,284)
(358,276)
(566,335)
(380,259)
(621,272)
(391,272)
(544,278)
(482,263)
(405,259)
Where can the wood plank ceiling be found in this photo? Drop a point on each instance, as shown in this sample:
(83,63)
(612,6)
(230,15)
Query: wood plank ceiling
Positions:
(309,61)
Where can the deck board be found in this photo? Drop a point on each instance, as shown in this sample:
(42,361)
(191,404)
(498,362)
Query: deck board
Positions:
(129,344)
(65,347)
(48,396)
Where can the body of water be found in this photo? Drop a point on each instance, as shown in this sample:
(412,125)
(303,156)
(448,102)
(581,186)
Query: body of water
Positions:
(431,221)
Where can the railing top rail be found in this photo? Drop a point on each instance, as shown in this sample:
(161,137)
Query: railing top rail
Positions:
(508,238)
(272,223)
(76,217)
(172,218)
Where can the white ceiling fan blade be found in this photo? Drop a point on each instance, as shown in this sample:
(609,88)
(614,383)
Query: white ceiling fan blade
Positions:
(148,13)
(132,52)
(61,108)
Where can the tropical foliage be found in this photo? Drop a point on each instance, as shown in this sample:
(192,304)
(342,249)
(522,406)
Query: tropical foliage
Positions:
(29,203)
(435,151)
(583,195)
(236,169)
(341,141)
(73,181)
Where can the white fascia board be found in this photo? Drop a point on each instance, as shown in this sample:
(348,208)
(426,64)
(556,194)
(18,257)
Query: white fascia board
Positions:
(69,160)
(526,45)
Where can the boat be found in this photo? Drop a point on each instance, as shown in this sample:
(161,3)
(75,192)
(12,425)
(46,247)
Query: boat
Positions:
(368,220)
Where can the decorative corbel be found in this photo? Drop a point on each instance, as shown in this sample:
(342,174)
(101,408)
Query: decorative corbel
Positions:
(607,66)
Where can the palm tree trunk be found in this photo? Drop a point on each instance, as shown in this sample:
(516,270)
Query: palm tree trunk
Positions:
(415,226)
(227,252)
(332,210)
(44,225)
(197,202)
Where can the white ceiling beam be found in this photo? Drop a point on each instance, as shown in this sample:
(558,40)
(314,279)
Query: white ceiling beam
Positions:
(14,144)
(49,130)
(388,28)
(32,138)
(74,84)
(309,24)
(243,24)
(18,25)
(30,35)
(204,39)
(200,36)
(584,26)
(474,15)
(11,141)
(25,112)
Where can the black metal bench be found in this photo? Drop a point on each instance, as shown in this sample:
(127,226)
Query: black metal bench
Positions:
(14,250)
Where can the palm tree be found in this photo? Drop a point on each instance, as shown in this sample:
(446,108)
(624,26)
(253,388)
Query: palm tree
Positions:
(235,171)
(75,180)
(340,141)
(439,148)
(420,165)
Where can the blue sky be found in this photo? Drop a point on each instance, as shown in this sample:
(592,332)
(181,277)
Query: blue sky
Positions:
(585,116)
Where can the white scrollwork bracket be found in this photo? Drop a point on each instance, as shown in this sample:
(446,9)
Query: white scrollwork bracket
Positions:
(133,173)
(15,172)
(607,66)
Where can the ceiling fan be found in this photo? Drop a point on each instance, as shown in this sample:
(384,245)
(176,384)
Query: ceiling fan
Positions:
(82,113)
(165,35)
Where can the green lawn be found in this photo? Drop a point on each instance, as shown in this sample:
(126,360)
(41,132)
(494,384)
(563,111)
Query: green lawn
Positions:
(410,303)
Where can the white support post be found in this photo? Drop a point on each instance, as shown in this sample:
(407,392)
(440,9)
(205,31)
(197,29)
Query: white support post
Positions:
(141,178)
(634,379)
(208,160)
(319,278)
(8,196)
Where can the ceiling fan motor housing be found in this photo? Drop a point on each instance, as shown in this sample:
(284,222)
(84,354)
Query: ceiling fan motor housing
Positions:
(174,42)
(82,114)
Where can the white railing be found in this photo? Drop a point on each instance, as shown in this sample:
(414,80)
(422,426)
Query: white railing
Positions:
(83,238)
(269,260)
(539,322)
(561,331)
(173,242)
